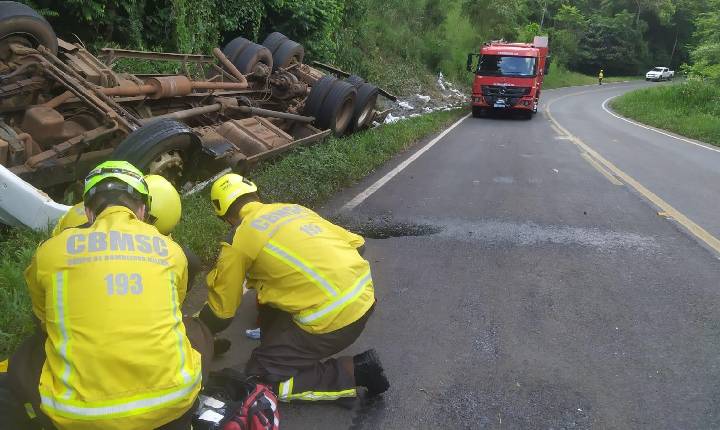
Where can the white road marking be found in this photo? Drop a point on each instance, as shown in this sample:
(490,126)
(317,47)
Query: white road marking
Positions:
(358,199)
(646,127)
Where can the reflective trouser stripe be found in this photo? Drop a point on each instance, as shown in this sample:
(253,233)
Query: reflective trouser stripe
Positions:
(176,328)
(294,261)
(287,395)
(118,408)
(337,304)
(60,304)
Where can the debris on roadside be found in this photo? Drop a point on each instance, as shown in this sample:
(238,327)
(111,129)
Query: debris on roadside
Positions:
(420,104)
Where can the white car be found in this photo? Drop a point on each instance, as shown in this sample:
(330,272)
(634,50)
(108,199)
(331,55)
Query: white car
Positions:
(659,74)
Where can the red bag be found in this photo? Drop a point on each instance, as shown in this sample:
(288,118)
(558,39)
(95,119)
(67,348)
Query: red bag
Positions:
(258,411)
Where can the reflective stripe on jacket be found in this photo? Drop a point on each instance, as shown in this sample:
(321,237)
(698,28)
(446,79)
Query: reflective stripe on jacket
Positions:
(109,298)
(298,262)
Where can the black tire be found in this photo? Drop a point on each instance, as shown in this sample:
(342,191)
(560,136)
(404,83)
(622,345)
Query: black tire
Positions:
(235,47)
(355,80)
(527,114)
(364,105)
(337,109)
(142,147)
(288,53)
(317,95)
(478,111)
(273,41)
(250,56)
(19,19)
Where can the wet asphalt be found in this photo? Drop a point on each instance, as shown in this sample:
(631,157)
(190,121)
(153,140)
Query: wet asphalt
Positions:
(518,288)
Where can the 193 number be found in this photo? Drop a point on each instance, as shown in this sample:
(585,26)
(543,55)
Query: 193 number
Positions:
(122,283)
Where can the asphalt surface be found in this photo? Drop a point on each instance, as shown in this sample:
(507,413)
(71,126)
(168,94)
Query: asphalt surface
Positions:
(537,293)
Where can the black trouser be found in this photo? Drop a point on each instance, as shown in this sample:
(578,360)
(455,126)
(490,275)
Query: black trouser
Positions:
(26,363)
(286,351)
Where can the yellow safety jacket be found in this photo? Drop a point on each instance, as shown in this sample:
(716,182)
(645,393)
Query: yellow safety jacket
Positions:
(109,298)
(297,262)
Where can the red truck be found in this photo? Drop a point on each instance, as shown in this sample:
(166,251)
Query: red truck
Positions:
(509,76)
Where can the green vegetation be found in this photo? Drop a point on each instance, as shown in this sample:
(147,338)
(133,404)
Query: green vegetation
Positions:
(16,249)
(307,176)
(559,77)
(402,44)
(691,109)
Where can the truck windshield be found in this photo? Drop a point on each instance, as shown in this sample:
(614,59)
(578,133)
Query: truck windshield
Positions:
(497,65)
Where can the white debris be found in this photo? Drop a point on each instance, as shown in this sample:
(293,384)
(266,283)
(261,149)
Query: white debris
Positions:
(441,81)
(425,99)
(405,105)
(427,109)
(392,118)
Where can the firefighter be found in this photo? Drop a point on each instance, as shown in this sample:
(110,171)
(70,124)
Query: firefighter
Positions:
(314,290)
(601,75)
(112,350)
(164,214)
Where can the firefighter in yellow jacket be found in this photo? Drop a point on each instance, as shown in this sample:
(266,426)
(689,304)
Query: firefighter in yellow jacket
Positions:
(314,289)
(113,351)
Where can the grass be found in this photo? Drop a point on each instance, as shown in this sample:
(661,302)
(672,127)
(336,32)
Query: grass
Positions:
(560,77)
(308,176)
(16,249)
(691,109)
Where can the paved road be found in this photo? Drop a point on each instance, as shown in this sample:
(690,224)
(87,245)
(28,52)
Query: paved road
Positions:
(544,291)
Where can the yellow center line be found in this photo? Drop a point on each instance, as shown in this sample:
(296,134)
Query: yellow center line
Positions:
(691,226)
(613,180)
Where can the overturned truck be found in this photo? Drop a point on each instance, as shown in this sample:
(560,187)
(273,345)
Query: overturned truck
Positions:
(63,110)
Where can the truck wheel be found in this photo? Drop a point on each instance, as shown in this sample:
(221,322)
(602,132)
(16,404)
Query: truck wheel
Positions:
(287,54)
(317,95)
(21,24)
(478,112)
(250,56)
(336,111)
(274,40)
(235,47)
(164,147)
(355,80)
(367,95)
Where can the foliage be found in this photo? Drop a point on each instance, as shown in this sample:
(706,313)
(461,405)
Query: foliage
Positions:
(706,54)
(611,43)
(560,77)
(401,44)
(16,249)
(691,108)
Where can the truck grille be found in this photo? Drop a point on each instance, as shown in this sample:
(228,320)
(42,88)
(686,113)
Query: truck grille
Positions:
(502,91)
(511,95)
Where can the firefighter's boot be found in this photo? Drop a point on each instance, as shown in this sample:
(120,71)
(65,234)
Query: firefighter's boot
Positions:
(369,373)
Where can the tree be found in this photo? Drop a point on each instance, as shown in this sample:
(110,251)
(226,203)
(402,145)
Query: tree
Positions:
(613,44)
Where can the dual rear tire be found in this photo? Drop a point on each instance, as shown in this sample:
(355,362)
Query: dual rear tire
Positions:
(332,103)
(246,55)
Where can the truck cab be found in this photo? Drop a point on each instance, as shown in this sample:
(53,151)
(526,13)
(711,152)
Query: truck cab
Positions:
(509,76)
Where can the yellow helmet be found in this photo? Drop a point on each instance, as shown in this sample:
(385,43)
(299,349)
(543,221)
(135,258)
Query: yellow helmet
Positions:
(227,189)
(74,217)
(165,206)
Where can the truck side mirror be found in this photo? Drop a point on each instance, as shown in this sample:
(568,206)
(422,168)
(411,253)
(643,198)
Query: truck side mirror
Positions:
(468,66)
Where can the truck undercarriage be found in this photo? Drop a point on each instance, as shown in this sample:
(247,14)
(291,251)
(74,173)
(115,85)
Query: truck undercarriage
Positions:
(63,110)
